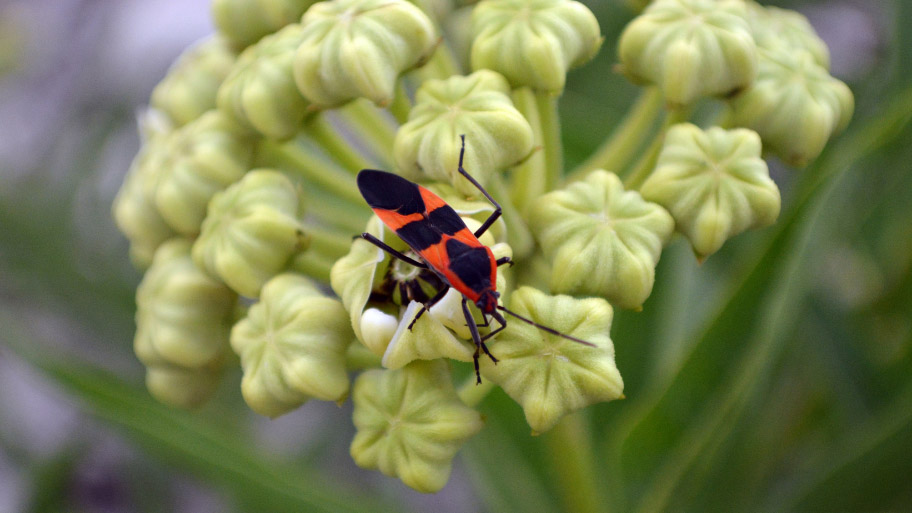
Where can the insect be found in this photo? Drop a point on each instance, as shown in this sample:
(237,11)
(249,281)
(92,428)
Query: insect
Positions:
(445,246)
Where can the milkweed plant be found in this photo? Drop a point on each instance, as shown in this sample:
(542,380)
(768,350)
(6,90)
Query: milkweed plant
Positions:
(241,205)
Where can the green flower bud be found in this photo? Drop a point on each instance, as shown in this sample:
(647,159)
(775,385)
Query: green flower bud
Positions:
(601,240)
(358,48)
(690,48)
(479,106)
(261,91)
(182,322)
(714,183)
(181,386)
(201,158)
(134,206)
(251,232)
(550,376)
(292,346)
(189,88)
(354,276)
(794,104)
(534,42)
(783,30)
(244,22)
(411,423)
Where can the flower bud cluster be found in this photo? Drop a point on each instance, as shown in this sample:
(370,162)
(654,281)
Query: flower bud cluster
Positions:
(767,63)
(242,203)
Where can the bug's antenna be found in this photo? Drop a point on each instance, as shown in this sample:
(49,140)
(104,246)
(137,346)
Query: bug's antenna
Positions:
(545,328)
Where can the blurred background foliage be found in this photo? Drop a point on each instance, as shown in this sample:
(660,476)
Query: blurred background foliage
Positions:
(777,376)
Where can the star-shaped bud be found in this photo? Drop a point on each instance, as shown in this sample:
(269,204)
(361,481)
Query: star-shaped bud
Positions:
(189,88)
(533,42)
(260,92)
(134,208)
(794,104)
(244,22)
(714,183)
(182,322)
(551,376)
(251,231)
(292,347)
(690,48)
(479,106)
(776,29)
(601,240)
(200,159)
(358,48)
(411,423)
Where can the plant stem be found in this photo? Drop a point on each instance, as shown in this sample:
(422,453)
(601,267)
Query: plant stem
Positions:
(313,264)
(328,242)
(401,103)
(646,164)
(529,178)
(372,127)
(442,64)
(359,357)
(571,455)
(335,145)
(519,236)
(331,212)
(546,104)
(294,156)
(472,393)
(615,152)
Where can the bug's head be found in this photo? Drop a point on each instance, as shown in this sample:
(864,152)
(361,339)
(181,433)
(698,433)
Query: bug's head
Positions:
(487,301)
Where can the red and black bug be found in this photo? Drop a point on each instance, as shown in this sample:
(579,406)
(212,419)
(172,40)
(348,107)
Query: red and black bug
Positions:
(445,246)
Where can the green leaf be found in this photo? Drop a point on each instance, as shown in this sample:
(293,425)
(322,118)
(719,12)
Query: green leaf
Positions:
(661,436)
(193,444)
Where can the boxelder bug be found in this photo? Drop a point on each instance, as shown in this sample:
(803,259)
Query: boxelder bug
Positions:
(445,246)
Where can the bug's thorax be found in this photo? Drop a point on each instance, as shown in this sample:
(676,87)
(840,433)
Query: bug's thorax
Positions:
(487,301)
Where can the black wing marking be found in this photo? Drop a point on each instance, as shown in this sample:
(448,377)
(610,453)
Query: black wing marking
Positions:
(390,192)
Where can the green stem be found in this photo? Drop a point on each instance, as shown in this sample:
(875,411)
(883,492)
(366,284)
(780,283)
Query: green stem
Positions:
(571,455)
(371,127)
(313,264)
(615,152)
(295,157)
(340,215)
(401,103)
(442,64)
(335,145)
(546,104)
(328,242)
(528,180)
(359,357)
(647,162)
(518,235)
(472,393)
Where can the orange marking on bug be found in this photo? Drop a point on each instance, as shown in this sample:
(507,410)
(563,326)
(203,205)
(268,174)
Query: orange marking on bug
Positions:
(396,220)
(431,201)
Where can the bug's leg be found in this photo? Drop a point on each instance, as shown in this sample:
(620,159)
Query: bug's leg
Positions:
(494,332)
(475,337)
(382,245)
(479,343)
(504,260)
(427,306)
(497,210)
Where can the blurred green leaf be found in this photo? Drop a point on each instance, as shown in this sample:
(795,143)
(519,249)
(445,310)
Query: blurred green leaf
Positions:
(187,441)
(662,437)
